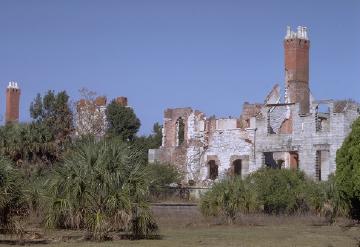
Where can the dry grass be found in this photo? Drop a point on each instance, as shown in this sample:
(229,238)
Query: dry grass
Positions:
(226,236)
(181,227)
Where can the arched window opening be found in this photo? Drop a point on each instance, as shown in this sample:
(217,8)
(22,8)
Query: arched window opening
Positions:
(318,165)
(213,170)
(280,164)
(294,161)
(237,166)
(180,132)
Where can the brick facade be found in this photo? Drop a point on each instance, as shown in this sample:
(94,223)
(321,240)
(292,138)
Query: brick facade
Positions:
(12,103)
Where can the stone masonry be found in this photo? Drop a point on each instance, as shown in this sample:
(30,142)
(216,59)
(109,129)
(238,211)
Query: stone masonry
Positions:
(296,133)
(90,117)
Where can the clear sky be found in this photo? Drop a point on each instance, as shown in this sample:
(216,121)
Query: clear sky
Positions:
(210,55)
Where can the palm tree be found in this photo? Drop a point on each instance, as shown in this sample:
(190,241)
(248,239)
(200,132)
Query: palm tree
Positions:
(101,187)
(12,199)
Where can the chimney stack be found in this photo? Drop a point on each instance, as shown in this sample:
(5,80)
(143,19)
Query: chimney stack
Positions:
(297,45)
(12,103)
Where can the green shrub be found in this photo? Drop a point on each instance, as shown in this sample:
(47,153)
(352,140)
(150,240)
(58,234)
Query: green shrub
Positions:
(274,191)
(315,195)
(348,171)
(162,175)
(280,191)
(12,199)
(334,205)
(101,188)
(228,198)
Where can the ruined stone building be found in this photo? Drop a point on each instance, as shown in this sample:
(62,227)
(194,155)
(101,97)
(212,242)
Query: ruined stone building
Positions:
(12,103)
(292,131)
(90,117)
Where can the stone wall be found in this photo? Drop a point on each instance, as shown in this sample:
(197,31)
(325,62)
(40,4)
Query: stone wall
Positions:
(277,130)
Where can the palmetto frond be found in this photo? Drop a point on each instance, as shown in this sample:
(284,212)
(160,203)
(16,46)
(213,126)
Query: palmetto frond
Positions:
(97,187)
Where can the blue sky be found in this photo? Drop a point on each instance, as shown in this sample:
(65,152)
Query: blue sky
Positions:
(210,55)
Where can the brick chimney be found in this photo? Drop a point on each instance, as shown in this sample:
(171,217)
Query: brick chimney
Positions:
(297,90)
(12,103)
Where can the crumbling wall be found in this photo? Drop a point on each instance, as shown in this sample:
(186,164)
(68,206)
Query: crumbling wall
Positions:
(171,116)
(294,143)
(277,116)
(248,111)
(187,155)
(197,143)
(226,144)
(90,118)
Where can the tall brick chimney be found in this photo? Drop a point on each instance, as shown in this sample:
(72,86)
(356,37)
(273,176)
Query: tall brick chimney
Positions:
(12,103)
(297,90)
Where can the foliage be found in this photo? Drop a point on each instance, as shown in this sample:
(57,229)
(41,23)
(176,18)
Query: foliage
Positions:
(100,187)
(122,121)
(348,170)
(12,203)
(315,195)
(28,143)
(280,191)
(162,175)
(156,136)
(54,111)
(333,205)
(274,191)
(152,141)
(228,198)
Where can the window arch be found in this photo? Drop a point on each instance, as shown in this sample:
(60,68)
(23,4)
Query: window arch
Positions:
(213,170)
(180,132)
(237,167)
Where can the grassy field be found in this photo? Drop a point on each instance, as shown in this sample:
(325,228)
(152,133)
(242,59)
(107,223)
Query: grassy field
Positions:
(182,228)
(249,236)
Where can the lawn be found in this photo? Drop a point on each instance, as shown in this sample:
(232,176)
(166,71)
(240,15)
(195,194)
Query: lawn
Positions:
(226,236)
(184,226)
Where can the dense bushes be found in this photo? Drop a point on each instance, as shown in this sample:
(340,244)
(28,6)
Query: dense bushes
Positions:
(162,175)
(99,187)
(272,191)
(12,198)
(229,198)
(280,191)
(348,171)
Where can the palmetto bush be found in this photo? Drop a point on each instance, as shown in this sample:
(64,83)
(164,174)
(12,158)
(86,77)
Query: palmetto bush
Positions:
(13,205)
(28,143)
(228,199)
(291,192)
(273,191)
(281,191)
(100,187)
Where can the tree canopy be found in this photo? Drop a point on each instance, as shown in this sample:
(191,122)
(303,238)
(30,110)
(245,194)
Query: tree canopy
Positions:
(54,111)
(348,170)
(122,121)
(44,139)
